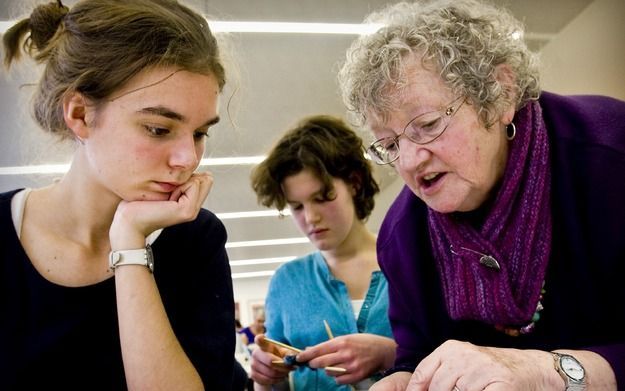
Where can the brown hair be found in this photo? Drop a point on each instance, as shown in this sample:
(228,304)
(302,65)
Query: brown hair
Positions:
(330,149)
(99,45)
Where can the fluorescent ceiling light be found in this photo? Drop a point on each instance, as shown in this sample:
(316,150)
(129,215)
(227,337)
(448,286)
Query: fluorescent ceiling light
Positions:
(268,242)
(255,213)
(274,27)
(291,27)
(264,273)
(35,169)
(262,261)
(230,161)
(62,168)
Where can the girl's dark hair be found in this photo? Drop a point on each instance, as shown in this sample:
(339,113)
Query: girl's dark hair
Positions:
(99,45)
(330,149)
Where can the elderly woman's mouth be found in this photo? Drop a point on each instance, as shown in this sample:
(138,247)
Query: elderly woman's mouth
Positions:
(431,179)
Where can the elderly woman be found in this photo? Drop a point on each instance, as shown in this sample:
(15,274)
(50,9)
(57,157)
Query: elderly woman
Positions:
(506,247)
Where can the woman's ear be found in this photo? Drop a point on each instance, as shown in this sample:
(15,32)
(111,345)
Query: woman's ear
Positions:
(356,183)
(75,114)
(505,75)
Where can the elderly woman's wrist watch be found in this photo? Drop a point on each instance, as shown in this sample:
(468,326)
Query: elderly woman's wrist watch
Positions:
(571,371)
(142,256)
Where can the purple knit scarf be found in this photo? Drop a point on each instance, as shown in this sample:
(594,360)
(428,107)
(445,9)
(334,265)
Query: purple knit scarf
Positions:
(516,231)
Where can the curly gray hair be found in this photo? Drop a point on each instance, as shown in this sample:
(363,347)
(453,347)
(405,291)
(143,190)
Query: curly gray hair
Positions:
(463,40)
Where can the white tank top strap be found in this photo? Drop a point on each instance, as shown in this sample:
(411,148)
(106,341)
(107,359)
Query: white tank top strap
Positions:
(18,202)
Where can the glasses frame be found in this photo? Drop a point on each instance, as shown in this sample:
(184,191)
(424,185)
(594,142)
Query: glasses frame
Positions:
(447,112)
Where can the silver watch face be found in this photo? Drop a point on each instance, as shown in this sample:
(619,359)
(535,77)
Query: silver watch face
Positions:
(572,368)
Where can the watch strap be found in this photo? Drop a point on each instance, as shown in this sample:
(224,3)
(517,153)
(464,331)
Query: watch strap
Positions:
(570,384)
(142,257)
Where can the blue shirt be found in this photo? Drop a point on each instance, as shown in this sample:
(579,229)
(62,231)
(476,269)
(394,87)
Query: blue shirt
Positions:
(302,294)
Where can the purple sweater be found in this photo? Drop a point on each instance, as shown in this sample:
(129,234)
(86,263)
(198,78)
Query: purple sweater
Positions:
(585,290)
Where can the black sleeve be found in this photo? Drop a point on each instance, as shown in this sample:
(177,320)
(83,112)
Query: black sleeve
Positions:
(193,275)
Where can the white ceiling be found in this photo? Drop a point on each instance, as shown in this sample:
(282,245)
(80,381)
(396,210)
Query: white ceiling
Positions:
(274,80)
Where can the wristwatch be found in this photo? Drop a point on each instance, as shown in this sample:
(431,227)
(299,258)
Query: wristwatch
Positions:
(571,371)
(142,256)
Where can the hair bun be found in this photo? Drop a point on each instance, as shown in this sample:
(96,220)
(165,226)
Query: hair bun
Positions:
(44,21)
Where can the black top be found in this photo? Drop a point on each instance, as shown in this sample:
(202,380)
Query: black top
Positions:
(57,337)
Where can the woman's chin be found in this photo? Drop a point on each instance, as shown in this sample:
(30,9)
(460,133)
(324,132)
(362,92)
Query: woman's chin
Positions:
(442,209)
(443,206)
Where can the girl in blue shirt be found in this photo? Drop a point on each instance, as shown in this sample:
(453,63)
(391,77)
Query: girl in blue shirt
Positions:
(318,170)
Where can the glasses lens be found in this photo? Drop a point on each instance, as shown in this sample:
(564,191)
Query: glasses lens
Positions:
(426,128)
(384,150)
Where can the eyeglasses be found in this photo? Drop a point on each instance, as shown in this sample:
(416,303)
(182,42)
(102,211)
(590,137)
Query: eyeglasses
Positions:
(422,129)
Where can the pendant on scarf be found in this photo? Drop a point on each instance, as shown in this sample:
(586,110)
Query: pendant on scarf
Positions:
(489,262)
(486,260)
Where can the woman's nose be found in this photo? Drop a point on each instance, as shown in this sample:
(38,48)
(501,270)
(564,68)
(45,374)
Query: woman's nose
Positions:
(185,153)
(311,215)
(411,156)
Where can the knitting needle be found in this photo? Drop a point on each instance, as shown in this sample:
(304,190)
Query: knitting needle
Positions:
(331,369)
(331,336)
(278,343)
(328,330)
(335,369)
(281,362)
(282,345)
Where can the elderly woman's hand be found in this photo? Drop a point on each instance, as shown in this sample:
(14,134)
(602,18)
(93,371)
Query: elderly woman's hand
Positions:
(461,366)
(361,355)
(398,381)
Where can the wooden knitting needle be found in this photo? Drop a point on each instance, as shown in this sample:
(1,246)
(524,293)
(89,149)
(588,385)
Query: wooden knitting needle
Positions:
(331,336)
(278,343)
(335,369)
(328,330)
(331,369)
(280,362)
(283,345)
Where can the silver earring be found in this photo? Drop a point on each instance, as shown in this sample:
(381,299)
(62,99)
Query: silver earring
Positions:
(510,131)
(80,140)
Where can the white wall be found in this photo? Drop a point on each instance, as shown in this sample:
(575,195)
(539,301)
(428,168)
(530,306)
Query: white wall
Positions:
(588,55)
(249,291)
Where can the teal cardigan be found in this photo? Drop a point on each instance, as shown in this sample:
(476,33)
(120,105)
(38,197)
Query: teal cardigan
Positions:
(302,294)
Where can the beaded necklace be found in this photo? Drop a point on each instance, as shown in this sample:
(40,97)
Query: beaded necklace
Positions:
(528,328)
